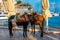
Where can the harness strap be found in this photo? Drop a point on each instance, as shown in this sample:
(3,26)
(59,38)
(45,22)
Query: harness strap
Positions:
(26,18)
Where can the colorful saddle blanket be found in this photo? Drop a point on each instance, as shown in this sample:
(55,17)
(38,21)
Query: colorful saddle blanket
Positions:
(23,18)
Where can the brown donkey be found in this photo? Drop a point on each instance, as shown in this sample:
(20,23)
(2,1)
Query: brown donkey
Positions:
(37,19)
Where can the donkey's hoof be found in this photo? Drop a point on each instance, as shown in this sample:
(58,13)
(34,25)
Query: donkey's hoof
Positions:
(41,35)
(11,35)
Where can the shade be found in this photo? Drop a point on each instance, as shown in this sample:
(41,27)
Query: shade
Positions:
(46,6)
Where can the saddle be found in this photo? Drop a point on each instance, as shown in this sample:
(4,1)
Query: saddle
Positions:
(35,17)
(23,18)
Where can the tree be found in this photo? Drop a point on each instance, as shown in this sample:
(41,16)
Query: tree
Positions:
(18,2)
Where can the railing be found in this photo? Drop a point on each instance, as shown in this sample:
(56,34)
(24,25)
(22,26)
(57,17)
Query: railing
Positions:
(3,22)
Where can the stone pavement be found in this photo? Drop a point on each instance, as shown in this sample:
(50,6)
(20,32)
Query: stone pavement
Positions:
(18,35)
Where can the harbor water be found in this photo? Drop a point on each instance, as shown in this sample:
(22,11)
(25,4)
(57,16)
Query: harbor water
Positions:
(52,22)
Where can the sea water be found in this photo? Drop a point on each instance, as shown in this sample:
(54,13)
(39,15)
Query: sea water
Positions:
(53,22)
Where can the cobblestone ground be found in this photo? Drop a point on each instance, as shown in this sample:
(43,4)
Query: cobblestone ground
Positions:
(18,35)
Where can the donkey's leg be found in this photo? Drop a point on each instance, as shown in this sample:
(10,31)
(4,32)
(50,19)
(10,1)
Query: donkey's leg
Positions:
(10,28)
(41,27)
(10,32)
(25,29)
(32,28)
